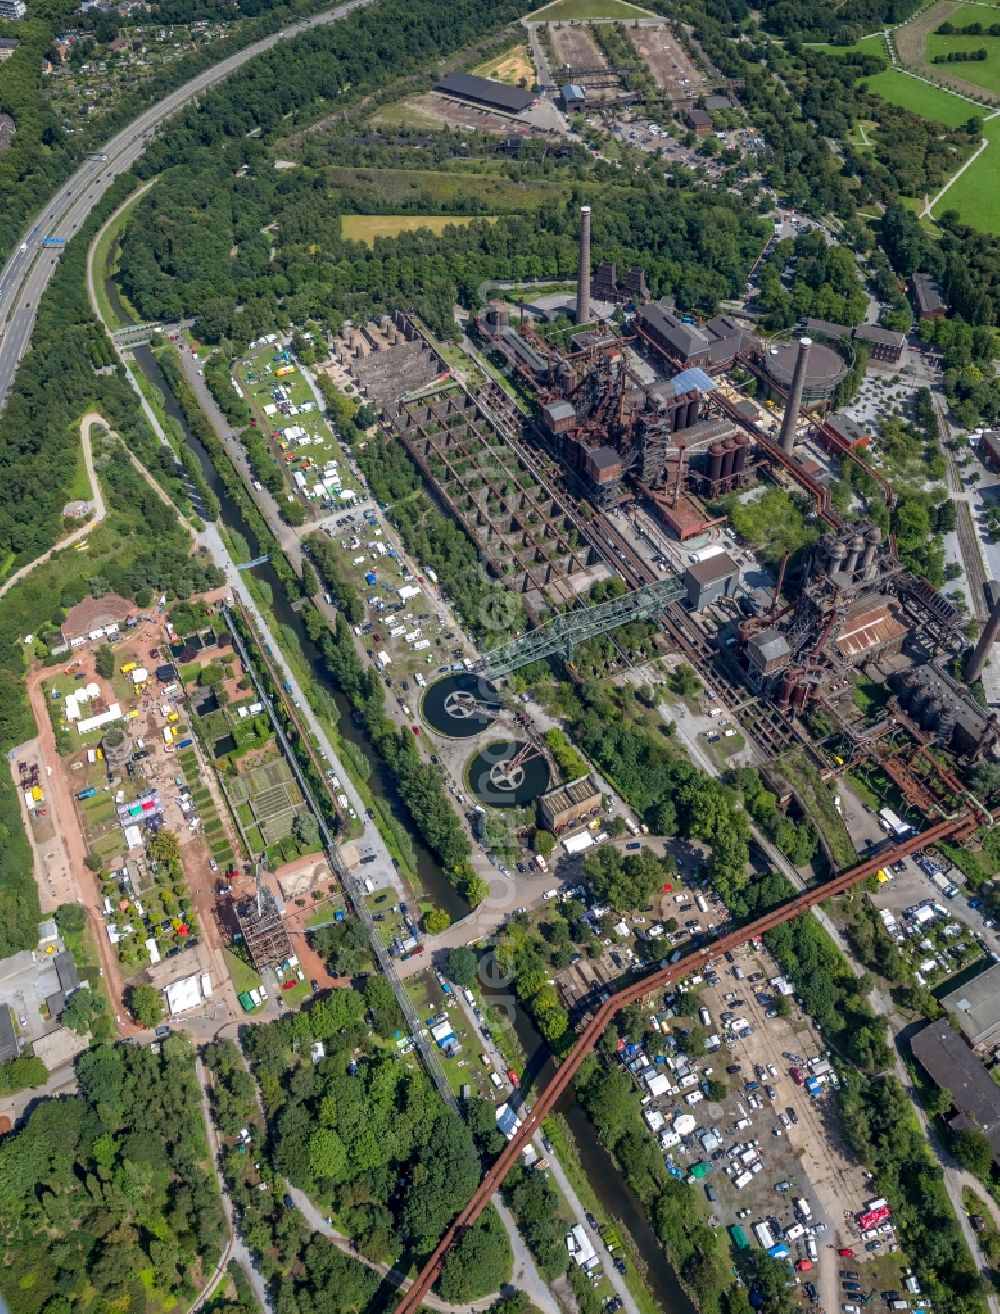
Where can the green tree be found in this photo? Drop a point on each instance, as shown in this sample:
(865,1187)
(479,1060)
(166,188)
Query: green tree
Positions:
(974,1152)
(105,661)
(544,842)
(82,1011)
(305,828)
(436,920)
(461,966)
(479,1263)
(327,1154)
(146,1005)
(71,918)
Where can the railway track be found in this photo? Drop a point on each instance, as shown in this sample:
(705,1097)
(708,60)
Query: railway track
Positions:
(657,980)
(972,558)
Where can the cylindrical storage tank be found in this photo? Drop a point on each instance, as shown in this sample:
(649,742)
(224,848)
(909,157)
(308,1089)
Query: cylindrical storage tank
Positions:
(729,456)
(694,406)
(678,413)
(742,444)
(715,454)
(838,551)
(855,550)
(872,540)
(785,689)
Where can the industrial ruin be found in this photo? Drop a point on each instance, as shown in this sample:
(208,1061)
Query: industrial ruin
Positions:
(635,411)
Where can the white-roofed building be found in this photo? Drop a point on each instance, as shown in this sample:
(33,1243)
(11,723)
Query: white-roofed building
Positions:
(183,995)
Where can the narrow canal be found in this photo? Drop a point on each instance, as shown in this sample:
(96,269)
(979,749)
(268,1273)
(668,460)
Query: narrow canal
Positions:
(600,1170)
(613,1191)
(380,782)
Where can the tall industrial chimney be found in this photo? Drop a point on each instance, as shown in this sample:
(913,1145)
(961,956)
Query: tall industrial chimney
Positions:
(981,652)
(583,276)
(795,396)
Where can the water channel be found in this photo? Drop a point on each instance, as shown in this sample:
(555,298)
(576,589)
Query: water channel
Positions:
(380,782)
(600,1170)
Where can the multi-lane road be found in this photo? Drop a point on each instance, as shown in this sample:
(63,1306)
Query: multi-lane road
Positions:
(27,272)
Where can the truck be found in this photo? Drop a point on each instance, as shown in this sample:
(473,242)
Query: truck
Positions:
(803,1209)
(89,792)
(706,553)
(53,241)
(948,888)
(890,822)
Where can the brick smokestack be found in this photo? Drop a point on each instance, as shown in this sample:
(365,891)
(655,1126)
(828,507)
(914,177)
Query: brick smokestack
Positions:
(583,276)
(794,404)
(983,649)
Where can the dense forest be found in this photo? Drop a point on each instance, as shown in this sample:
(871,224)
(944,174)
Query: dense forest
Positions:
(367,1135)
(845,22)
(108,1196)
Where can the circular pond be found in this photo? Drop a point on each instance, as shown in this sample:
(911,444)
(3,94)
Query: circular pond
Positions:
(508,774)
(461,705)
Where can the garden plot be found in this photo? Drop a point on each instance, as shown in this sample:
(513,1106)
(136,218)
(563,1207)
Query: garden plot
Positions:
(268,804)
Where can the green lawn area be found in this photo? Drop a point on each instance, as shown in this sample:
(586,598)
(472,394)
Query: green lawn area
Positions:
(869,45)
(984,73)
(975,195)
(563,10)
(366,227)
(920,98)
(440,187)
(242,975)
(106,248)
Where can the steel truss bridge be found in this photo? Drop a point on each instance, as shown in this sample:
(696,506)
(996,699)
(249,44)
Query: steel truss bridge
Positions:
(562,633)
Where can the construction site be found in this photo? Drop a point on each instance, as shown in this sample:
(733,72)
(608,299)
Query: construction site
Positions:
(643,420)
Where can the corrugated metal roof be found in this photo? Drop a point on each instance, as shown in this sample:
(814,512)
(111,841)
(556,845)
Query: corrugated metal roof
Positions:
(871,629)
(511,99)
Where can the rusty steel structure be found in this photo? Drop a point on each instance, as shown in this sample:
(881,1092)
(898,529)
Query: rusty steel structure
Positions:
(658,980)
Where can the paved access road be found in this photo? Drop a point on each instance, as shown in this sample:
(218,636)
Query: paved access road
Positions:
(26,274)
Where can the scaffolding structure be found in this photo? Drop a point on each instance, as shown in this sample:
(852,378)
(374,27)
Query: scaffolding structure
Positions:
(561,634)
(263,930)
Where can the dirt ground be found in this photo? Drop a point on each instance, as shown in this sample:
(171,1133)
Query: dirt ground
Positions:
(510,67)
(668,62)
(452,114)
(66,855)
(576,48)
(911,38)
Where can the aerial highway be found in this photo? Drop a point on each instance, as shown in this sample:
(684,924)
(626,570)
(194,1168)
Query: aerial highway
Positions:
(27,272)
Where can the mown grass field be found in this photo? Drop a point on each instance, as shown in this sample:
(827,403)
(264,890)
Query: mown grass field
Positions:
(975,195)
(869,45)
(984,73)
(920,98)
(366,227)
(561,11)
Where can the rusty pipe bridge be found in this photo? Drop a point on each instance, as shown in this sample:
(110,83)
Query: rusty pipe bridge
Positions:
(658,980)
